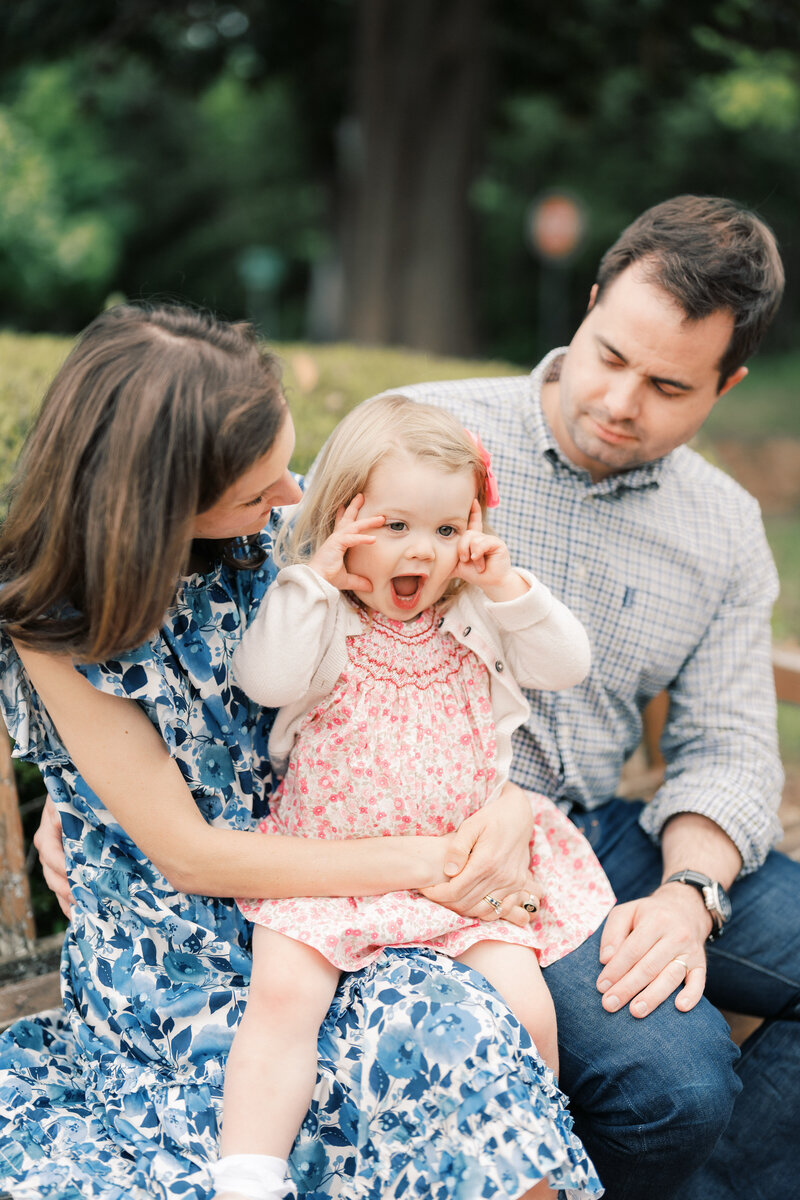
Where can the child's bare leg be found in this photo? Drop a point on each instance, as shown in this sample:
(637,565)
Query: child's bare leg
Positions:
(272,1063)
(515,972)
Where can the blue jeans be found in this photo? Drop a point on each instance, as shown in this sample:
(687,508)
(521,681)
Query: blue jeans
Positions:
(666,1105)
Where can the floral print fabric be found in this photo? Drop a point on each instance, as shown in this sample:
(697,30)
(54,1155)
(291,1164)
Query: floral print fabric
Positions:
(118,1095)
(405,743)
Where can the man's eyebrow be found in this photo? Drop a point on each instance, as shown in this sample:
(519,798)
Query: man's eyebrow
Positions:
(660,379)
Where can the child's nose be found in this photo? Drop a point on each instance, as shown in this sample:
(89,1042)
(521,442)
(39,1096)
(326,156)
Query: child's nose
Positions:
(421,547)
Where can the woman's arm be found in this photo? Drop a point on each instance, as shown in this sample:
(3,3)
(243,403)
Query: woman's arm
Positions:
(123,758)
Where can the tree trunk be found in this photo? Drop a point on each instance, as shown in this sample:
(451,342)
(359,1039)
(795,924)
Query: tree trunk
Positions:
(406,239)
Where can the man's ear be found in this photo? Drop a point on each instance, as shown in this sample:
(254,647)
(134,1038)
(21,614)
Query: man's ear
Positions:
(732,381)
(592,297)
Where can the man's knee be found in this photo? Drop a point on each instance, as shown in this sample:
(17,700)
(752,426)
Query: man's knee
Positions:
(693,1087)
(665,1079)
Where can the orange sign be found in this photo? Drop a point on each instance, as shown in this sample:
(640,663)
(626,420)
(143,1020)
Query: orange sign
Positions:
(556,224)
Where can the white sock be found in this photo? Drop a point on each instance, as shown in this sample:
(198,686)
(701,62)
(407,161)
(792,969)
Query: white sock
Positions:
(257,1176)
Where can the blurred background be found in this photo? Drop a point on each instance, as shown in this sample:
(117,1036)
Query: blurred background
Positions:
(371,169)
(393,190)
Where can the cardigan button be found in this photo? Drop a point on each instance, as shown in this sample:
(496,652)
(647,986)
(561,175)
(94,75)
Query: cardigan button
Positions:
(498,666)
(467,631)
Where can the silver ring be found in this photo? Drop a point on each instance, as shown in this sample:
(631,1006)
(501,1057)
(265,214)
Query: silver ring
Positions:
(494,903)
(531,905)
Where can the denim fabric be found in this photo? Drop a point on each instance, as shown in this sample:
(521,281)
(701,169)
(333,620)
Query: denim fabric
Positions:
(652,1098)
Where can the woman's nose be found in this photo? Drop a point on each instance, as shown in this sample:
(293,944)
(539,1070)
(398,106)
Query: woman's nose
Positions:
(289,492)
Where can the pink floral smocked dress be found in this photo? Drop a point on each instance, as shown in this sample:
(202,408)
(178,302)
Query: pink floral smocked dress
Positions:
(405,744)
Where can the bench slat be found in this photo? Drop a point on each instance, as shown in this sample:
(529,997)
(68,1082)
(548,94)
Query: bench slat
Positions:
(17,930)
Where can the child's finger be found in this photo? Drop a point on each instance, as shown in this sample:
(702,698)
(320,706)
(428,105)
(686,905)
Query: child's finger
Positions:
(355,505)
(475,521)
(349,512)
(352,537)
(356,583)
(478,546)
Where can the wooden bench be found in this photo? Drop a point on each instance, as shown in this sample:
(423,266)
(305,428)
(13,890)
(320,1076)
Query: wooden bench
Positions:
(29,967)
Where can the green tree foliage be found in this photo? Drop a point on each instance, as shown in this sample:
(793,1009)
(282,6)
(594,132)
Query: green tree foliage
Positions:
(145,146)
(624,104)
(60,230)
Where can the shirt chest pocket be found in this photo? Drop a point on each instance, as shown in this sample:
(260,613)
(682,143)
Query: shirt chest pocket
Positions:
(640,636)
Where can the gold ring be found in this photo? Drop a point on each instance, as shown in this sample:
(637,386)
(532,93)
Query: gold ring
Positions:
(494,903)
(531,905)
(683,963)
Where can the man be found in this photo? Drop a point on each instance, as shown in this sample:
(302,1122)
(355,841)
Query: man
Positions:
(665,561)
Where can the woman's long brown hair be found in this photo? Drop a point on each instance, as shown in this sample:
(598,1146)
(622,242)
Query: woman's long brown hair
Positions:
(154,414)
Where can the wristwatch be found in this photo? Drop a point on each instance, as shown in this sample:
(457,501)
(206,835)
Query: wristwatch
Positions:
(715,898)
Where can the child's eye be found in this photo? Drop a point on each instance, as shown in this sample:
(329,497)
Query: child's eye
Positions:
(395,526)
(447,530)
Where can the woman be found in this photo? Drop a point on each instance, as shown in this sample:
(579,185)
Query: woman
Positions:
(132,557)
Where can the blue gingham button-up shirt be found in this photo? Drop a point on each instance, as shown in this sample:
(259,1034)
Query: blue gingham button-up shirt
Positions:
(668,568)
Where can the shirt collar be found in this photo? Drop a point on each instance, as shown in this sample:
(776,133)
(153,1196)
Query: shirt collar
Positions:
(647,476)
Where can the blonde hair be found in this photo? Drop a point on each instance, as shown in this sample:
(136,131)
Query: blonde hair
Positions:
(380,428)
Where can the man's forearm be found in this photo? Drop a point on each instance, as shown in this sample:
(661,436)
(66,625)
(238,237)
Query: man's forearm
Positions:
(694,842)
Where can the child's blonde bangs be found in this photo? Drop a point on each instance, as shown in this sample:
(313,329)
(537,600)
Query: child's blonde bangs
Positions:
(387,425)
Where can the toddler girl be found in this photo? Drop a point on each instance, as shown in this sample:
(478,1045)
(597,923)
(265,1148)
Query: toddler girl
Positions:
(394,646)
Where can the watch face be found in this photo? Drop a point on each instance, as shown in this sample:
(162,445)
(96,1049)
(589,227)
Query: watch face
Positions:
(723,900)
(720,901)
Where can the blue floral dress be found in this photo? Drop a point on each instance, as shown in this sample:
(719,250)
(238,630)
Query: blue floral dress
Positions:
(427,1085)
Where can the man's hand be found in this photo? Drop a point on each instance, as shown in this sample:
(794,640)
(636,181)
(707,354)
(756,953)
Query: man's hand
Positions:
(651,946)
(496,840)
(50,848)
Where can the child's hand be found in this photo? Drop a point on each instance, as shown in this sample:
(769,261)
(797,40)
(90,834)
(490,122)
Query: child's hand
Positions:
(484,561)
(348,531)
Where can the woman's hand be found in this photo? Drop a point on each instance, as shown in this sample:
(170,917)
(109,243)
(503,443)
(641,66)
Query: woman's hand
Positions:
(328,562)
(496,840)
(50,848)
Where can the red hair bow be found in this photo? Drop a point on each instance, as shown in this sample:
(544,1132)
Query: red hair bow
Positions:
(491,493)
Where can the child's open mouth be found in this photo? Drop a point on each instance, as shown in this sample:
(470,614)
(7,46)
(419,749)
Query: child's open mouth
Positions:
(406,590)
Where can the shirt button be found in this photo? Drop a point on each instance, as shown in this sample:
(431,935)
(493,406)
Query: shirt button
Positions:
(498,666)
(467,631)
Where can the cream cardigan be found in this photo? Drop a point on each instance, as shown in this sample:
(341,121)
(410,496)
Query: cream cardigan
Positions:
(296,648)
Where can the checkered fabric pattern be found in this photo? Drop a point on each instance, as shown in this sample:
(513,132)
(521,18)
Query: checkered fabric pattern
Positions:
(668,567)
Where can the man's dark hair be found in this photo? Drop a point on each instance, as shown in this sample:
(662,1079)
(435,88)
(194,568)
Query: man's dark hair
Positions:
(708,254)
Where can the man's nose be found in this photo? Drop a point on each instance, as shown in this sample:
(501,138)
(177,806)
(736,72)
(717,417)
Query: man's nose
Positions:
(622,398)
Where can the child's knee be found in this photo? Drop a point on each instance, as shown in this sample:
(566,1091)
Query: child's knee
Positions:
(291,985)
(538,1015)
